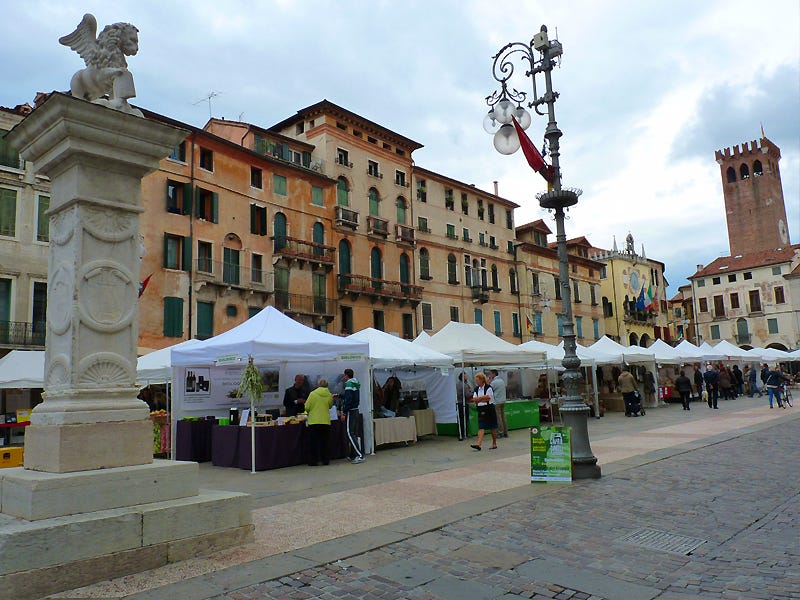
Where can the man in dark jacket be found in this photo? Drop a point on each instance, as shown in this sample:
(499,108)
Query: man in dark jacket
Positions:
(698,381)
(294,398)
(711,379)
(684,386)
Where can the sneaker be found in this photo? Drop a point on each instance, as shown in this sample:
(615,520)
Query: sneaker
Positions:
(357,460)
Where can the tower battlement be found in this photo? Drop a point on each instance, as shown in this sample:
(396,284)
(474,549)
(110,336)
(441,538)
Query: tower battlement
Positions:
(748,150)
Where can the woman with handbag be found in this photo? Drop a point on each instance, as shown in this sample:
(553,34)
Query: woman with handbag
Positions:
(483,398)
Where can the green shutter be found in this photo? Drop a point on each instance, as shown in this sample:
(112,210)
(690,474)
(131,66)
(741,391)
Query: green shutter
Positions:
(186,253)
(262,216)
(306,158)
(197,207)
(187,198)
(253,217)
(215,207)
(173,317)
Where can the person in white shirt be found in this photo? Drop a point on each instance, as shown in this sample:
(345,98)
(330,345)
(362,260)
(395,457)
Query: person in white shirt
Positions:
(483,398)
(499,389)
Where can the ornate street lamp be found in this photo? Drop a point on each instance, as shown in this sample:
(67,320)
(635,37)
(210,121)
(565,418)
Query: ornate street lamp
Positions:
(506,107)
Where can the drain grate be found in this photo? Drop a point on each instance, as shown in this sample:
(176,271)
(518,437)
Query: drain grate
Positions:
(662,540)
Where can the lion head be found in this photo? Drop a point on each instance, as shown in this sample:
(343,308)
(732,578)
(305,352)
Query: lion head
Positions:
(114,43)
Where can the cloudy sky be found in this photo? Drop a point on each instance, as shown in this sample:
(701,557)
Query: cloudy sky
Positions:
(649,90)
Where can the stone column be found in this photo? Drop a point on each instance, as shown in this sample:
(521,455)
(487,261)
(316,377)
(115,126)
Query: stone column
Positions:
(95,157)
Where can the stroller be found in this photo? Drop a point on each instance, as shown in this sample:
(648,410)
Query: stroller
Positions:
(636,405)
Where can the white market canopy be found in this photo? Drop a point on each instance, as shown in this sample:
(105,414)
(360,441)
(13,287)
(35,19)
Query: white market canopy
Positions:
(665,353)
(268,336)
(387,351)
(555,354)
(156,367)
(472,344)
(628,354)
(730,352)
(772,354)
(709,353)
(22,369)
(689,352)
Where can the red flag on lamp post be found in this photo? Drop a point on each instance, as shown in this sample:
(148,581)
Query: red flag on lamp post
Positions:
(532,155)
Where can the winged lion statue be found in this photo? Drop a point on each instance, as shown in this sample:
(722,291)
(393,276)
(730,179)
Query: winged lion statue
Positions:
(106,79)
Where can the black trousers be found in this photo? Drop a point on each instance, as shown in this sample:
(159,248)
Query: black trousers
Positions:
(463,419)
(630,399)
(713,395)
(685,399)
(318,444)
(353,434)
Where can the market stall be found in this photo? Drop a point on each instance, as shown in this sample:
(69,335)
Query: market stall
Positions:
(423,386)
(206,375)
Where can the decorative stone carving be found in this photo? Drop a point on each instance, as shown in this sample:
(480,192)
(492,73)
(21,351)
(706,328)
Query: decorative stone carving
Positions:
(106,79)
(62,226)
(104,369)
(110,225)
(59,310)
(107,300)
(58,373)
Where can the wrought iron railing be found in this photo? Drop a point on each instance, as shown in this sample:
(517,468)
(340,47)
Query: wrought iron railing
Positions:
(20,334)
(297,248)
(361,284)
(224,273)
(305,305)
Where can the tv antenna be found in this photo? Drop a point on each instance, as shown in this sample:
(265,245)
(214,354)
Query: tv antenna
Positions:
(211,94)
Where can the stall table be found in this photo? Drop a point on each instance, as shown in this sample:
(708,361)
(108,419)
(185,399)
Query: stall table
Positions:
(193,440)
(394,430)
(520,414)
(426,421)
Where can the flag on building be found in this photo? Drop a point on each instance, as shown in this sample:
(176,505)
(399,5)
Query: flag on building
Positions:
(640,300)
(143,284)
(528,324)
(532,155)
(648,299)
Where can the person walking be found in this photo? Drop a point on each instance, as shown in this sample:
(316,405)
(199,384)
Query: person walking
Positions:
(725,383)
(463,398)
(349,414)
(684,386)
(318,408)
(752,380)
(483,398)
(627,386)
(698,381)
(738,381)
(499,389)
(711,379)
(774,383)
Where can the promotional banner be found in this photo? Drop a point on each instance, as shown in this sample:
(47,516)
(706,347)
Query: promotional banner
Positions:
(551,454)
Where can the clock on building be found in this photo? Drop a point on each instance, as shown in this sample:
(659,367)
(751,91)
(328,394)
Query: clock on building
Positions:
(633,280)
(782,231)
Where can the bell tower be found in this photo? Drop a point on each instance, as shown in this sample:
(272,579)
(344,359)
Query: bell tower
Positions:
(754,206)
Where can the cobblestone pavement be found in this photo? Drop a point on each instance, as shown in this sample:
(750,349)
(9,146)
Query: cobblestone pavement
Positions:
(738,497)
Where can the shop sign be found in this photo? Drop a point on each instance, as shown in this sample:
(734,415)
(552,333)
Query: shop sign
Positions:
(351,357)
(551,454)
(228,359)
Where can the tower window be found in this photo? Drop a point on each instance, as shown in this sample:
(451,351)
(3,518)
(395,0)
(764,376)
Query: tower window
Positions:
(758,170)
(744,172)
(731,174)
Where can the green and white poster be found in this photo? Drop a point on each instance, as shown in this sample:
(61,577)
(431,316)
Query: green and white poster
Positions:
(551,454)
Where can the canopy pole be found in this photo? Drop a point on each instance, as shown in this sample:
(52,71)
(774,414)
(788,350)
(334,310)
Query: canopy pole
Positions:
(252,438)
(594,389)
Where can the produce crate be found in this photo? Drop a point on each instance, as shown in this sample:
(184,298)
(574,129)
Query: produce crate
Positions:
(11,456)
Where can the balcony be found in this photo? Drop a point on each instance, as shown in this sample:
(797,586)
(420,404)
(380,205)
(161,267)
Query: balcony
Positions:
(743,338)
(17,334)
(377,226)
(404,234)
(299,305)
(451,236)
(228,276)
(342,160)
(289,250)
(639,316)
(480,294)
(346,217)
(718,316)
(379,289)
(467,239)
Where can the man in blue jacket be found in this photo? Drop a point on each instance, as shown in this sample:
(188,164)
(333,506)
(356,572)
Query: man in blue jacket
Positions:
(349,414)
(711,378)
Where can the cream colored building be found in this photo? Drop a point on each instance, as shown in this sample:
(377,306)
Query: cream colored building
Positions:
(751,300)
(24,241)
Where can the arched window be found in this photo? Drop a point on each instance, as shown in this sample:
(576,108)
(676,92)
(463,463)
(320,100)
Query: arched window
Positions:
(452,269)
(318,237)
(633,340)
(495,281)
(374,202)
(376,267)
(742,333)
(512,281)
(424,264)
(279,231)
(758,170)
(731,174)
(644,341)
(744,172)
(344,262)
(342,192)
(401,210)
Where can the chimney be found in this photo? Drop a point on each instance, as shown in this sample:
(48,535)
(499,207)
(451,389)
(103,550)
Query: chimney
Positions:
(495,189)
(699,267)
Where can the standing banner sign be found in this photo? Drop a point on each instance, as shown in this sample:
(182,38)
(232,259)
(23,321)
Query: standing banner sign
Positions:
(551,454)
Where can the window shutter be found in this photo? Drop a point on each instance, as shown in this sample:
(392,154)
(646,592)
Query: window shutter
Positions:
(186,250)
(173,317)
(187,198)
(306,158)
(263,221)
(215,208)
(197,206)
(253,217)
(166,251)
(166,196)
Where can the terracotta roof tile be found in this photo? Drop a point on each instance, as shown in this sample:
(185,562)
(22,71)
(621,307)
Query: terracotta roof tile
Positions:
(751,260)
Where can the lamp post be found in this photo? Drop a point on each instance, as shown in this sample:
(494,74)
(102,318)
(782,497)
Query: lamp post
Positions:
(538,56)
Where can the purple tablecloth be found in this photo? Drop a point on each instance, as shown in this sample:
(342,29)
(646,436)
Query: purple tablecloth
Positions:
(193,440)
(276,447)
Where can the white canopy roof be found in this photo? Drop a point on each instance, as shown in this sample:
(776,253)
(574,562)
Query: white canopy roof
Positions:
(629,354)
(387,351)
(156,367)
(709,353)
(688,351)
(555,354)
(22,369)
(665,353)
(772,354)
(269,336)
(472,344)
(729,351)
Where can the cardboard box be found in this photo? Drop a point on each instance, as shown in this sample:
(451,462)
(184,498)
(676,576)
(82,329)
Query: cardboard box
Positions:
(11,456)
(23,415)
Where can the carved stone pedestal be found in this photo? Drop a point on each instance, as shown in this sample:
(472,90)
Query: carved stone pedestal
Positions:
(90,503)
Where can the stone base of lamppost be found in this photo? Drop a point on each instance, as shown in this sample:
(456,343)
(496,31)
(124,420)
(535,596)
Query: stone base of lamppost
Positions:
(584,463)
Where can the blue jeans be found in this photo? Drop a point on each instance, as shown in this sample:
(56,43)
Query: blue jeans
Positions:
(774,392)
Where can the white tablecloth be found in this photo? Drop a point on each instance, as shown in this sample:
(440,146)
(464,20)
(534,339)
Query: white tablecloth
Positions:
(395,430)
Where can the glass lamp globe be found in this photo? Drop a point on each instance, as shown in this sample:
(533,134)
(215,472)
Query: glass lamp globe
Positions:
(503,111)
(523,117)
(506,140)
(490,123)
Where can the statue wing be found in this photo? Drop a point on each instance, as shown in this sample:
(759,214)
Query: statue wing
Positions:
(84,39)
